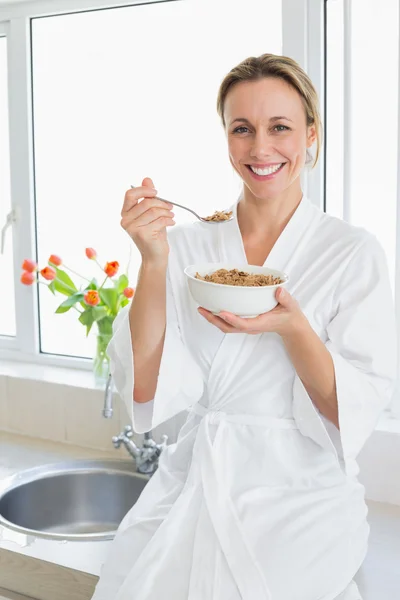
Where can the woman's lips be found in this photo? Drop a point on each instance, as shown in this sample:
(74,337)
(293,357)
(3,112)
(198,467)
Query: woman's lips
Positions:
(265,177)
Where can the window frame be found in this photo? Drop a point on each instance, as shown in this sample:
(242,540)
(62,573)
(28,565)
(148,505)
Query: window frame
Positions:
(15,31)
(15,25)
(299,18)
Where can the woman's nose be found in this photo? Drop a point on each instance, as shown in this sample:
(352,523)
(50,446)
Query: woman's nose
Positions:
(262,145)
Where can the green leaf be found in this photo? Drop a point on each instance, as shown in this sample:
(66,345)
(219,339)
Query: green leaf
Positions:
(105,326)
(87,318)
(99,312)
(69,302)
(110,298)
(63,284)
(66,279)
(121,284)
(60,287)
(93,285)
(124,302)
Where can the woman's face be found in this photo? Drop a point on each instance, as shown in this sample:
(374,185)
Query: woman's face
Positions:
(266,128)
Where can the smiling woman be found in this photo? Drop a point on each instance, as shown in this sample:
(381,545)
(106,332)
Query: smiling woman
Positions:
(278,131)
(259,496)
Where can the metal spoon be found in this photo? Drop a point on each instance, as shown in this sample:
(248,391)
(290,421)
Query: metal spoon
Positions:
(192,211)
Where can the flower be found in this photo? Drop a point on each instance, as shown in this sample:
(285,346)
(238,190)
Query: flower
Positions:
(48,273)
(93,302)
(91,253)
(29,265)
(111,268)
(55,260)
(27,278)
(92,297)
(128,292)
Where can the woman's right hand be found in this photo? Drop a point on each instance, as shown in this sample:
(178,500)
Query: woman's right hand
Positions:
(146,222)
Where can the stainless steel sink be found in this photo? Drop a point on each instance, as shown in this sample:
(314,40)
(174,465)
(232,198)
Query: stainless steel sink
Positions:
(75,500)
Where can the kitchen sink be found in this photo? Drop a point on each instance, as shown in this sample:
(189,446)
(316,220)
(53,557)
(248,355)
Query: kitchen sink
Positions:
(74,500)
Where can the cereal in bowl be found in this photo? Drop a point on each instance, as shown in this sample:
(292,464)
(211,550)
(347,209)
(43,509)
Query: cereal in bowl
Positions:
(240,278)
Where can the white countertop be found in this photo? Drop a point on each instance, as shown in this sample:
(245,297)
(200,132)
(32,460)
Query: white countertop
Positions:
(18,453)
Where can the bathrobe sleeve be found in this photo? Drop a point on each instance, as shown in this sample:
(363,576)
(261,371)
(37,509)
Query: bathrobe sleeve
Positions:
(363,344)
(180,381)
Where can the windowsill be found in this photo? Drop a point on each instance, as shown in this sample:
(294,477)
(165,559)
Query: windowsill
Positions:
(82,378)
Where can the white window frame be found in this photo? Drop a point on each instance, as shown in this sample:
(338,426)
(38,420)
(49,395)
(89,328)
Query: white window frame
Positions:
(303,40)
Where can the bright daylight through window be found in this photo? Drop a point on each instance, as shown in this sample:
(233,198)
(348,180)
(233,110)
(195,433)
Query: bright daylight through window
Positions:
(372,114)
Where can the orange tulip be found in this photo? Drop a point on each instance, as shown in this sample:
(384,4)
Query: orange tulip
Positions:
(111,268)
(55,260)
(92,297)
(128,292)
(27,278)
(48,273)
(29,265)
(91,253)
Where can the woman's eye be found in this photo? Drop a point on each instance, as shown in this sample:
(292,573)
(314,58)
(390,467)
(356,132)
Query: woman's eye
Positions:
(283,126)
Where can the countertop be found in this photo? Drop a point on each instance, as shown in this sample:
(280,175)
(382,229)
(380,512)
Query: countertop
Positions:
(18,453)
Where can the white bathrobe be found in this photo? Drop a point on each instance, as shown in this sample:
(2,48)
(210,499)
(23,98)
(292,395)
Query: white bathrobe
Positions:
(258,499)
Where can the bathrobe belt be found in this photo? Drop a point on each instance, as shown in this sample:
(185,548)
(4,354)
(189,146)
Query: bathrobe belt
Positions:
(240,557)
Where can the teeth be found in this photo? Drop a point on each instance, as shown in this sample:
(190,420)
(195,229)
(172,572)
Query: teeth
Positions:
(266,171)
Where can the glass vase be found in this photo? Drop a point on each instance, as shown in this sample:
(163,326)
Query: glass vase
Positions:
(101,360)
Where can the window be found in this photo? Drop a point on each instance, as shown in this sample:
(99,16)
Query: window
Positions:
(362,117)
(134,95)
(7,313)
(362,99)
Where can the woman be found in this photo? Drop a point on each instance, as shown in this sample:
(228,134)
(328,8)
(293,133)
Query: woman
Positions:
(259,497)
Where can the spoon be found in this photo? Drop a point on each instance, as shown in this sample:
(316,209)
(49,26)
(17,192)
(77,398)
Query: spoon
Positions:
(192,211)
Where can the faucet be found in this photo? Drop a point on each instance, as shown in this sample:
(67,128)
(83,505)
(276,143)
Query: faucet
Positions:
(108,400)
(146,457)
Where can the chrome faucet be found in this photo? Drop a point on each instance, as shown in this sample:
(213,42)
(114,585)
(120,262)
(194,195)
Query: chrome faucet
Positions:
(146,457)
(108,399)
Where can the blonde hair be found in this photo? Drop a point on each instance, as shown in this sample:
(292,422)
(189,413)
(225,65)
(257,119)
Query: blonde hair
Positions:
(279,67)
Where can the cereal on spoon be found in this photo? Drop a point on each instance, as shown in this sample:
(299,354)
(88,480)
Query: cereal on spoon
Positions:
(219,215)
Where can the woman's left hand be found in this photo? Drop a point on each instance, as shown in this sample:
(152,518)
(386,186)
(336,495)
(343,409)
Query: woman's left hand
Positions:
(286,317)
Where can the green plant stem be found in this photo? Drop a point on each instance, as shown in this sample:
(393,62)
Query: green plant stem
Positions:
(56,279)
(97,262)
(103,283)
(47,285)
(73,291)
(75,273)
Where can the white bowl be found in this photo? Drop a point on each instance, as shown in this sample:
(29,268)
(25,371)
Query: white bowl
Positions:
(243,301)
